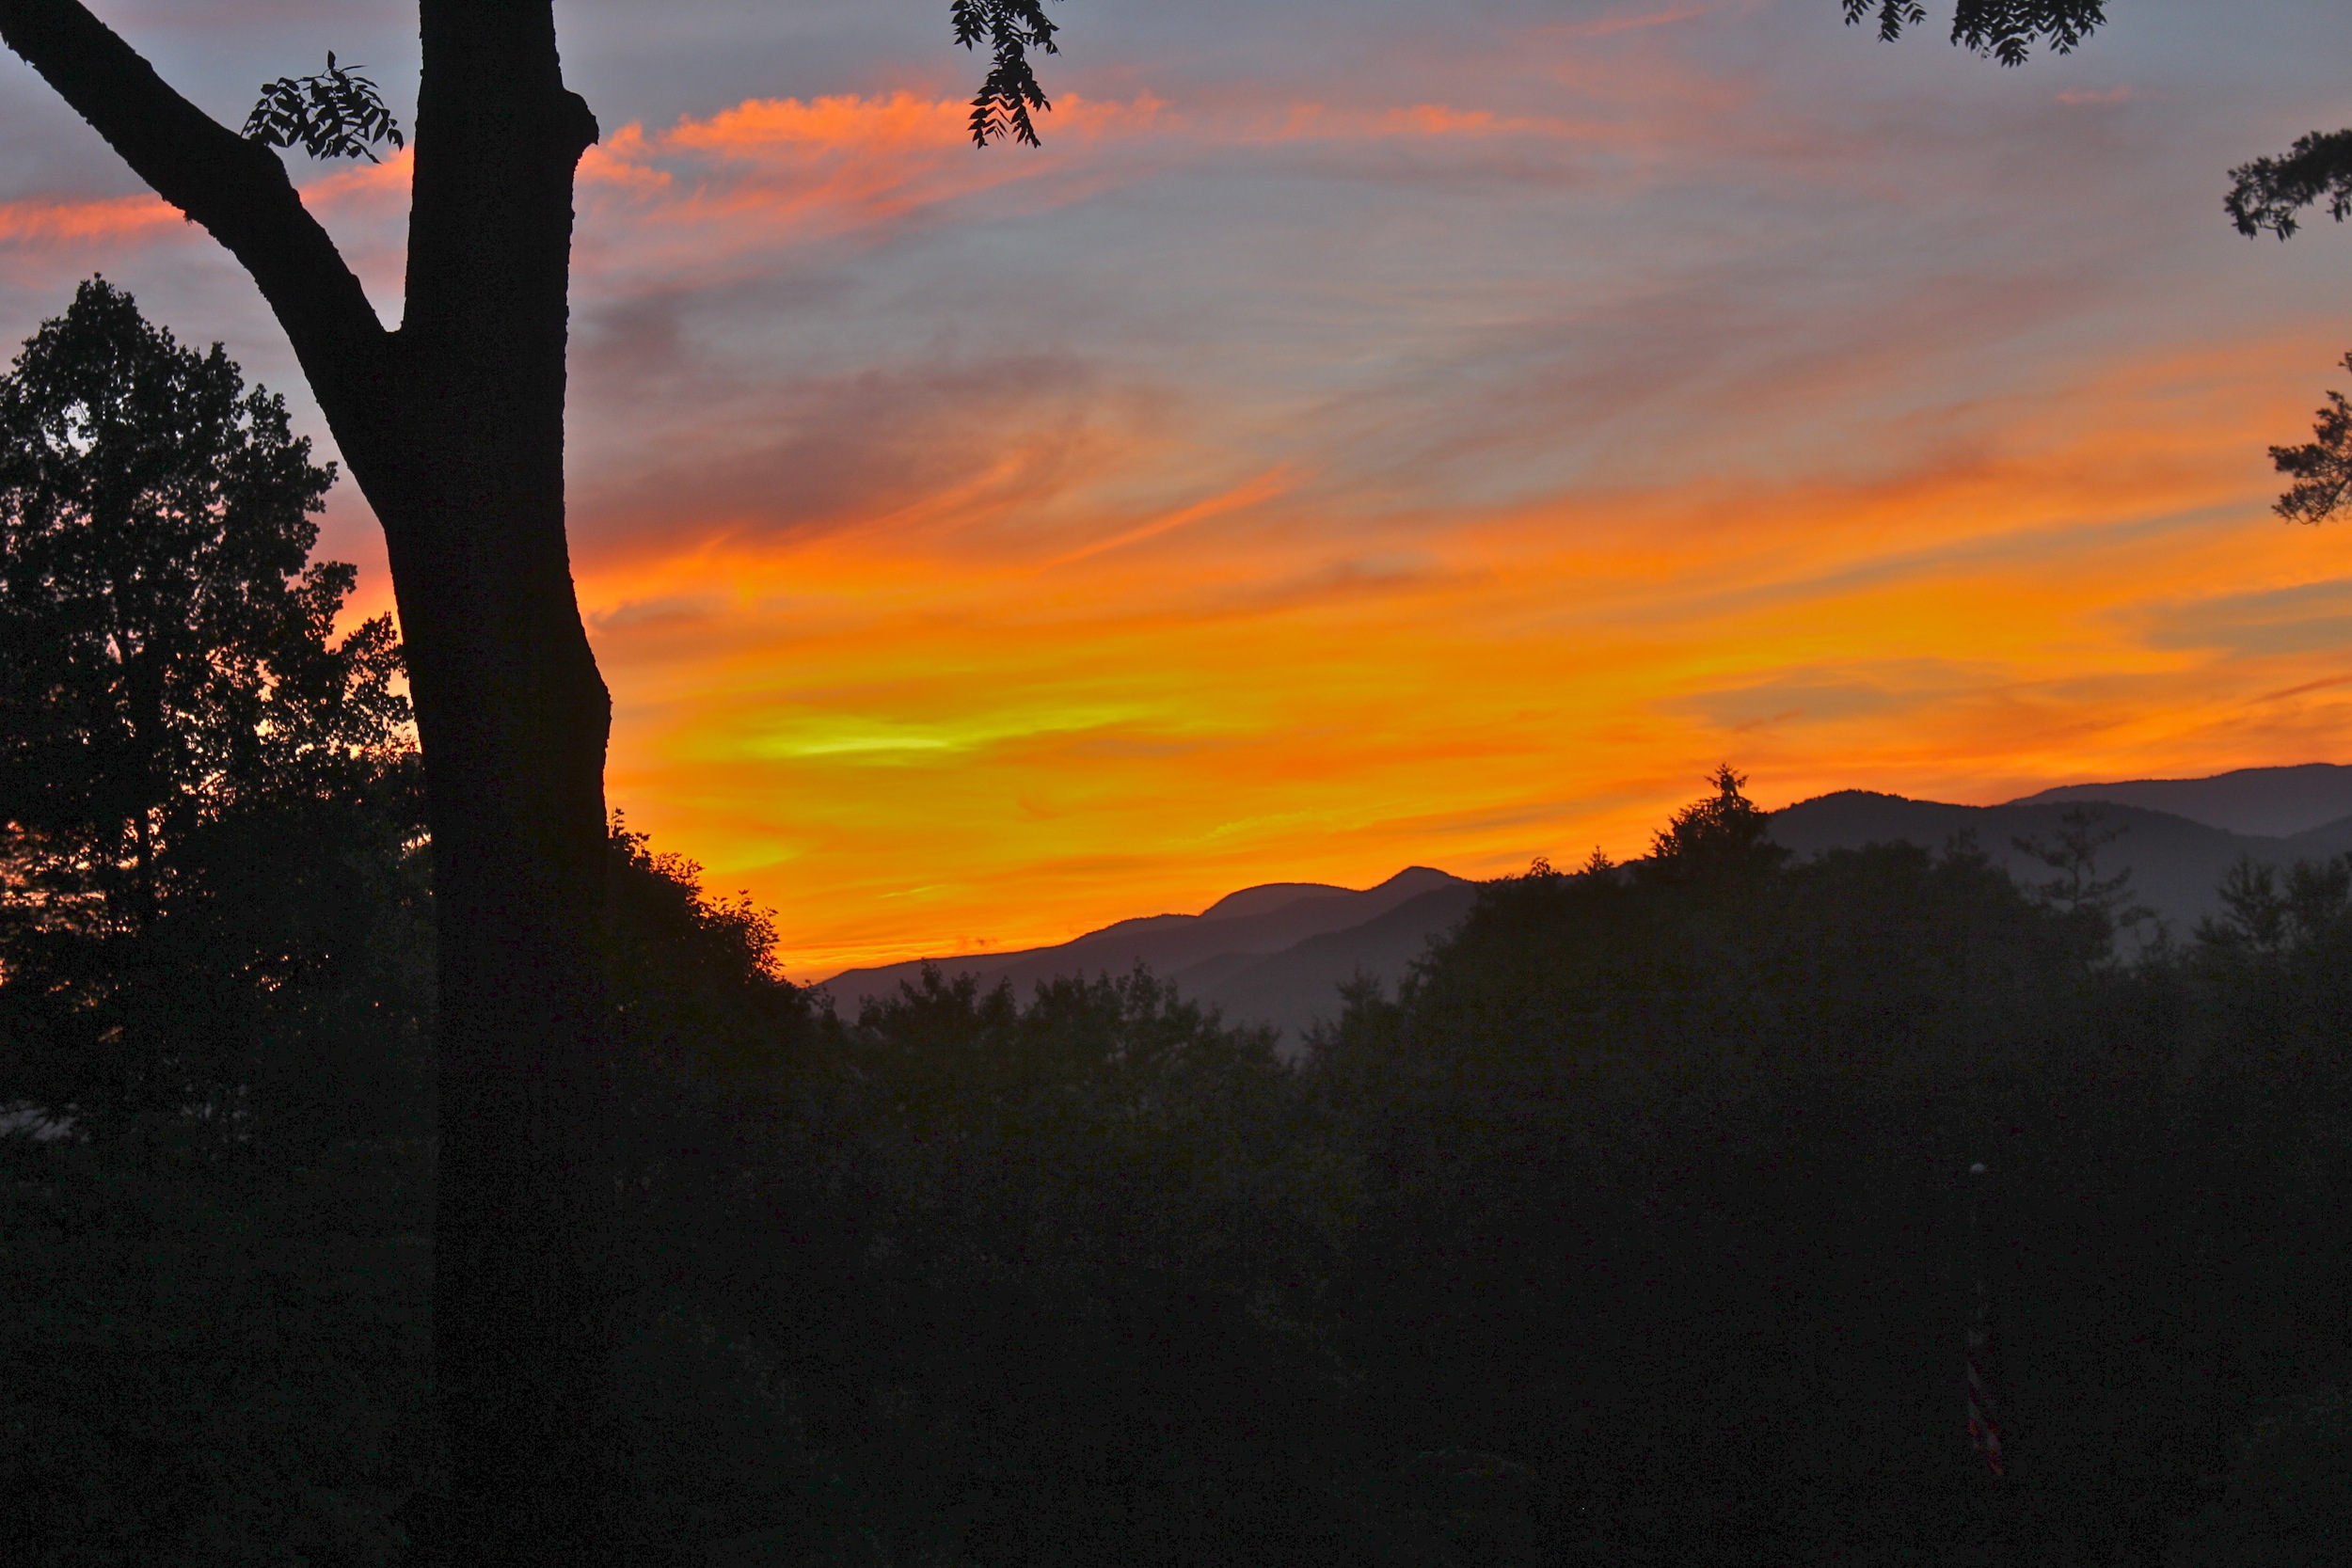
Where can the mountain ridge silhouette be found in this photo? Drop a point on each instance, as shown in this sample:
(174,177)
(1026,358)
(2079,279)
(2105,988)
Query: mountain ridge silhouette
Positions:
(2258,802)
(1277,953)
(1201,952)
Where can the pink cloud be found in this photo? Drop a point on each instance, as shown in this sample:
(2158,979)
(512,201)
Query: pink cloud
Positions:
(45,221)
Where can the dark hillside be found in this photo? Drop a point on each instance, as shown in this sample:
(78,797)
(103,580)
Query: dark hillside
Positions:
(1294,989)
(2176,864)
(2332,838)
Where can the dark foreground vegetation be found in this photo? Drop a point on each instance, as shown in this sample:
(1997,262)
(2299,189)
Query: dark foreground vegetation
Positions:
(1630,1233)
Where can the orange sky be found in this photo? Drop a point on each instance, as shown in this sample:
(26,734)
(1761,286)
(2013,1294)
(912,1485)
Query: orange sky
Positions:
(903,734)
(1437,441)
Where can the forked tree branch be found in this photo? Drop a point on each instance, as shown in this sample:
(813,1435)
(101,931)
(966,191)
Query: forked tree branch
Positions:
(237,189)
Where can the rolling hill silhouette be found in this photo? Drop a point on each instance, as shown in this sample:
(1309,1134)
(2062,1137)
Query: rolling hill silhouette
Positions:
(1275,954)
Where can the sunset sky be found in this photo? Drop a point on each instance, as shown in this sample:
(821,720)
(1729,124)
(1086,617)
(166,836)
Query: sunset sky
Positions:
(1396,432)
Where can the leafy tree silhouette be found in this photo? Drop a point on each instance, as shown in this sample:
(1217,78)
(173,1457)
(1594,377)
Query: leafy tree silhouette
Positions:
(453,424)
(171,671)
(2321,467)
(2270,193)
(1721,839)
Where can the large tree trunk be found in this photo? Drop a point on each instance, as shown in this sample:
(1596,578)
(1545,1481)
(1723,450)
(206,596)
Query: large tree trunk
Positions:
(513,717)
(514,721)
(454,426)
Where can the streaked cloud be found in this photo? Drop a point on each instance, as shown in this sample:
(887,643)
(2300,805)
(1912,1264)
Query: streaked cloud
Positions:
(39,223)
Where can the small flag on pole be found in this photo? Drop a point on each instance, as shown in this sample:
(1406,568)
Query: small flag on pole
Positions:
(1982,1359)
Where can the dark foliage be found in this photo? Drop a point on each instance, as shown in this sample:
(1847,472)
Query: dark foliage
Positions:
(454,426)
(208,1362)
(2268,193)
(1723,842)
(1011,91)
(332,114)
(1630,1231)
(202,792)
(2006,30)
(1040,1279)
(2097,907)
(2321,469)
(1659,1204)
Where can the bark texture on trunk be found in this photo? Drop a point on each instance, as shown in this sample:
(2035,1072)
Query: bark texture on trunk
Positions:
(453,427)
(514,719)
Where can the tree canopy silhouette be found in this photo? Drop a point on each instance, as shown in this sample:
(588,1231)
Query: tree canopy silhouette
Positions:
(1725,838)
(170,645)
(2321,467)
(1011,91)
(172,675)
(2268,193)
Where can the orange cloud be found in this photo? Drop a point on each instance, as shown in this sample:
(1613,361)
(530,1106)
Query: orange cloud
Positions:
(48,221)
(2103,95)
(129,220)
(784,172)
(365,205)
(777,174)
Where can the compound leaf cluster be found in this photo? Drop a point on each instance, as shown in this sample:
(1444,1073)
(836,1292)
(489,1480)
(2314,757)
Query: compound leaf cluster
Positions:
(2004,29)
(1012,29)
(335,114)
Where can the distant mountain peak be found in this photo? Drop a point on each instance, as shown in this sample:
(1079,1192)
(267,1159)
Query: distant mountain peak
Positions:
(1268,897)
(1230,936)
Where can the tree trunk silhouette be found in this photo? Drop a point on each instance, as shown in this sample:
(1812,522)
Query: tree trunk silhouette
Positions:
(453,427)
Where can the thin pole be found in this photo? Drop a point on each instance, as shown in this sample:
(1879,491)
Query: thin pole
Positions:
(1982,1358)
